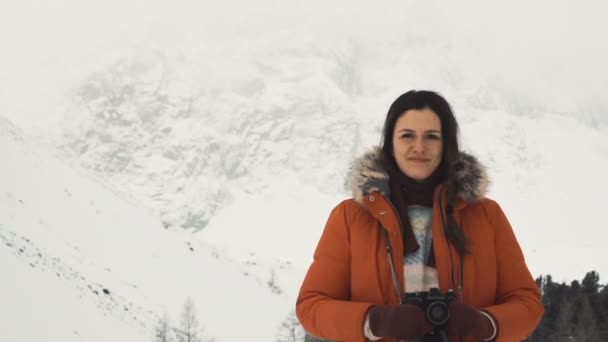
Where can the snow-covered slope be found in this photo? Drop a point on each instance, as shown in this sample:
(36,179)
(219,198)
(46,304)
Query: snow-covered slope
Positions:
(81,264)
(547,172)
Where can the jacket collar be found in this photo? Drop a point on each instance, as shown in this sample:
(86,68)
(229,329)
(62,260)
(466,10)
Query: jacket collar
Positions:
(368,174)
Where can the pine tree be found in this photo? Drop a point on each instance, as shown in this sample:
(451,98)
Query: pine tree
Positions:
(553,294)
(591,283)
(561,329)
(573,313)
(603,300)
(586,328)
(542,329)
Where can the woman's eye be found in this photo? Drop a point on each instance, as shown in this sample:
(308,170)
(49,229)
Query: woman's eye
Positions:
(407,135)
(433,137)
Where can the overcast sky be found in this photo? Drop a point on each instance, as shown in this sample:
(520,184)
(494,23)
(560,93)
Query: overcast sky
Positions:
(542,52)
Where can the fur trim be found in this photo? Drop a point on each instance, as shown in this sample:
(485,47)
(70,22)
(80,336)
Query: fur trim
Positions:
(368,174)
(470,178)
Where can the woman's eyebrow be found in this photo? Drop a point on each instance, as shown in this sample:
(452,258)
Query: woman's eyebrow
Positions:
(414,131)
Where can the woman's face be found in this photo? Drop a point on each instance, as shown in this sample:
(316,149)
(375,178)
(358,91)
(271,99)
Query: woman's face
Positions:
(418,143)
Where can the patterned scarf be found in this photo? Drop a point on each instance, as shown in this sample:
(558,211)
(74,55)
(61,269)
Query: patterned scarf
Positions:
(404,192)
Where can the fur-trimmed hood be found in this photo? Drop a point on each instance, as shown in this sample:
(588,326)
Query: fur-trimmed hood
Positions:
(368,173)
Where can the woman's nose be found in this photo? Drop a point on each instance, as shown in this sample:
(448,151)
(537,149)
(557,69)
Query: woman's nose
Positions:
(418,145)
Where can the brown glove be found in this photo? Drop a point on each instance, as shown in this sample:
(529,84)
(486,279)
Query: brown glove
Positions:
(404,321)
(466,320)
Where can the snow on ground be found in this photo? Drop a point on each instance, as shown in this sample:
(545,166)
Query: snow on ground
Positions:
(76,252)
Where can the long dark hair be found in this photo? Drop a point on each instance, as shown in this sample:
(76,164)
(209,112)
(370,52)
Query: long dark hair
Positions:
(421,99)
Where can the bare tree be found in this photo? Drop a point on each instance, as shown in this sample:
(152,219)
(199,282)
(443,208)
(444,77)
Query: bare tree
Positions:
(272,283)
(163,331)
(190,330)
(290,330)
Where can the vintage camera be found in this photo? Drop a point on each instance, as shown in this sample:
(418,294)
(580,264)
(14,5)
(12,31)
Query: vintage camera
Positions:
(434,303)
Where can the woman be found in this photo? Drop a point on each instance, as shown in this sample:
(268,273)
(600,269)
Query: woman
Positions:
(418,220)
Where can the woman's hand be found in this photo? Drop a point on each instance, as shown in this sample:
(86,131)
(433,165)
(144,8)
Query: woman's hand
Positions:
(404,321)
(466,320)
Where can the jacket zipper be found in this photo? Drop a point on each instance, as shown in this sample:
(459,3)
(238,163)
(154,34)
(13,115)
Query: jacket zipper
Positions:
(459,292)
(389,251)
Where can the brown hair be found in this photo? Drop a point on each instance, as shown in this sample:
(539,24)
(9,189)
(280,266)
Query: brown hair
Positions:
(420,99)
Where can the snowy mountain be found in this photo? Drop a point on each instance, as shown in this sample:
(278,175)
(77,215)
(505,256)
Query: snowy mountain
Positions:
(207,156)
(186,148)
(193,104)
(82,264)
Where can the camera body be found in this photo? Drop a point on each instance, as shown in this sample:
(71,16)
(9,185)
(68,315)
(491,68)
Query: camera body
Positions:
(433,303)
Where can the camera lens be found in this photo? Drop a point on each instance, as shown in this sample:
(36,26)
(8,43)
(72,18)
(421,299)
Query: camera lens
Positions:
(437,313)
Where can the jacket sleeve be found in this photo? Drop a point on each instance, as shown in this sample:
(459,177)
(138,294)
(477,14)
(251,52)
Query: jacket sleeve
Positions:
(323,306)
(518,309)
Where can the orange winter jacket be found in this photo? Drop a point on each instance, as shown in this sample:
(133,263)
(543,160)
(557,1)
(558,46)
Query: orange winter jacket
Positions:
(351,269)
